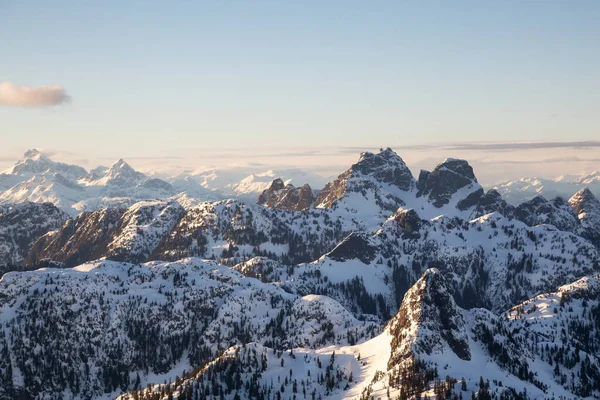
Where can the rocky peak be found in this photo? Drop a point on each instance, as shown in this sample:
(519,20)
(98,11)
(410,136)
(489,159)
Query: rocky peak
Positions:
(287,197)
(122,174)
(33,154)
(445,180)
(371,172)
(587,208)
(385,166)
(555,212)
(428,322)
(584,201)
(410,222)
(277,184)
(35,162)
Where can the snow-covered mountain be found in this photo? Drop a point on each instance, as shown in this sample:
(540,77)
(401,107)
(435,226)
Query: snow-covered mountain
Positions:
(515,192)
(587,208)
(71,188)
(37,178)
(20,226)
(379,285)
(115,326)
(492,262)
(239,183)
(229,231)
(431,347)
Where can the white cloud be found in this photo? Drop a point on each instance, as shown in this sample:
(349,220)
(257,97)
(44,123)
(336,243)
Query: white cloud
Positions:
(27,96)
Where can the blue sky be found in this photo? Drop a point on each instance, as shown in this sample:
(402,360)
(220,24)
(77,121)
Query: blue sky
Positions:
(158,78)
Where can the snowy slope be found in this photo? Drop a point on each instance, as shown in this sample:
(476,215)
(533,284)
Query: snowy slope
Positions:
(431,347)
(123,321)
(230,230)
(38,179)
(524,189)
(492,262)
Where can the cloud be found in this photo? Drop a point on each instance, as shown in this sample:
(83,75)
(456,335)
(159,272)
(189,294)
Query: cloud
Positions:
(28,96)
(525,146)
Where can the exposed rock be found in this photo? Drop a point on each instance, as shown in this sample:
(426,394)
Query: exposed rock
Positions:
(445,180)
(287,197)
(79,240)
(410,221)
(20,226)
(587,208)
(354,246)
(428,322)
(371,171)
(555,212)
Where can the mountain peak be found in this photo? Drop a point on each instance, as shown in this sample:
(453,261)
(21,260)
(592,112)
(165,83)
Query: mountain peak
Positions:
(120,167)
(386,166)
(445,180)
(120,164)
(428,322)
(587,208)
(583,196)
(458,166)
(122,174)
(286,197)
(33,154)
(384,172)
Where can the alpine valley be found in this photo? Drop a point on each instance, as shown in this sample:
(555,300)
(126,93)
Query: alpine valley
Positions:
(277,285)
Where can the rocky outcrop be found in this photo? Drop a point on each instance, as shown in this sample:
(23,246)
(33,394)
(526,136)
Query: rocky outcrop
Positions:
(287,197)
(587,208)
(441,184)
(378,172)
(410,222)
(428,322)
(354,246)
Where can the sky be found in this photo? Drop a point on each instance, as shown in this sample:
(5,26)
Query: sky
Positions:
(303,84)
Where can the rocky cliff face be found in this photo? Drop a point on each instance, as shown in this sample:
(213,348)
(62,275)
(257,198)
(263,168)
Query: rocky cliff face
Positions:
(441,184)
(587,208)
(428,322)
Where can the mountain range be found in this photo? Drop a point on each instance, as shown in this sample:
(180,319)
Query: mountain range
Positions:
(73,189)
(379,284)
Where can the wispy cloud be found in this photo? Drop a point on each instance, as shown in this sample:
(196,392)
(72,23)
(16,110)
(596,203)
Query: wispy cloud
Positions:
(32,96)
(524,146)
(495,146)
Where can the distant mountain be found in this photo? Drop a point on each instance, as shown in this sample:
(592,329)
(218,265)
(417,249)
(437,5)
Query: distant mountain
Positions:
(38,179)
(287,197)
(515,192)
(379,285)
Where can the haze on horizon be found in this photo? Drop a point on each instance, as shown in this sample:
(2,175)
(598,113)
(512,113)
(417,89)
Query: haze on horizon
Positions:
(305,85)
